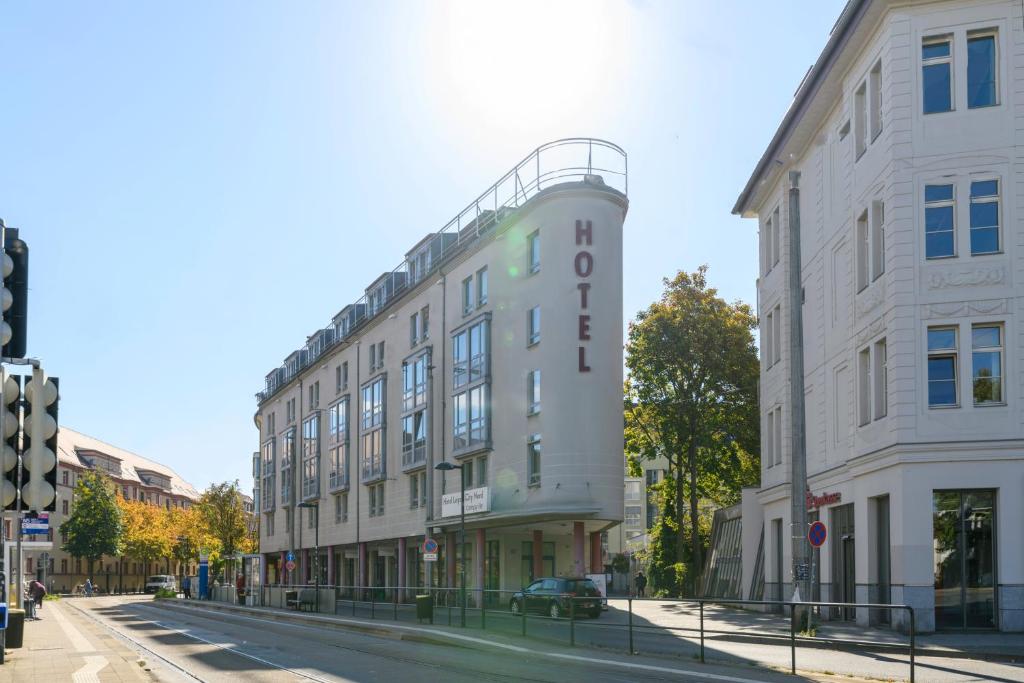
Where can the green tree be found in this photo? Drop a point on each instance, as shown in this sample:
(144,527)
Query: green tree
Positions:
(94,527)
(691,398)
(223,513)
(147,535)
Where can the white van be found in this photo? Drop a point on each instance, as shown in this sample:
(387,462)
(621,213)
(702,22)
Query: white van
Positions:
(155,583)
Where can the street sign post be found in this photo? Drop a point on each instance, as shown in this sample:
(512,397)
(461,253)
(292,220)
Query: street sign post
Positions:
(817,533)
(429,550)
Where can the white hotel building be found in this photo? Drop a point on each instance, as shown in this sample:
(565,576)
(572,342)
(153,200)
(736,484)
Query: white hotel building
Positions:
(496,345)
(906,136)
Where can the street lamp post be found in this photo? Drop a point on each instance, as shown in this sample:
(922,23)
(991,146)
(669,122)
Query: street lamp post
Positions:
(315,505)
(447,467)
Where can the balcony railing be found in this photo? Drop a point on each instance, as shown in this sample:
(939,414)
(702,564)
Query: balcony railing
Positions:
(589,160)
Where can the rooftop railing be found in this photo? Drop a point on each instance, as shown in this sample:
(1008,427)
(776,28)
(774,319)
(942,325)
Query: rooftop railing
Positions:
(589,160)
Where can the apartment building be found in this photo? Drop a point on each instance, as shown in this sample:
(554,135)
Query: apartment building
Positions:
(136,477)
(495,346)
(905,137)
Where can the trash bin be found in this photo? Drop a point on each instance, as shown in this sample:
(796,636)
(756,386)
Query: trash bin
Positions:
(425,607)
(15,628)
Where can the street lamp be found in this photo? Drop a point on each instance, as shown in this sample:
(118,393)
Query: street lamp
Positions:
(448,467)
(315,504)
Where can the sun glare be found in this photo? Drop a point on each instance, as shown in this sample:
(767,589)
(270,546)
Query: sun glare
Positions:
(528,65)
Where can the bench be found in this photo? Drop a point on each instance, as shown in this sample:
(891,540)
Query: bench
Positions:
(302,598)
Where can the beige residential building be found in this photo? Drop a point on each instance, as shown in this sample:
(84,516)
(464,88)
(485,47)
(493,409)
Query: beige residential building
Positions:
(495,346)
(136,477)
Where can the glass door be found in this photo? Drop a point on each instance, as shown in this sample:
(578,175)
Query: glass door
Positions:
(963,528)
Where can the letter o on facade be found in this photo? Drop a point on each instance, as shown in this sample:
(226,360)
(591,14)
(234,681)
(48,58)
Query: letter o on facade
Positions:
(584,264)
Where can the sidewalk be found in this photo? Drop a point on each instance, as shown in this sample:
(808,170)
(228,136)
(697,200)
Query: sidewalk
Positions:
(724,623)
(64,643)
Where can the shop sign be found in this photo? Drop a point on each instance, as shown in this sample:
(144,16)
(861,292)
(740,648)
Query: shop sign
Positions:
(477,500)
(814,502)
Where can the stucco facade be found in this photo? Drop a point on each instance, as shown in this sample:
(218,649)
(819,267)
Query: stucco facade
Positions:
(545,449)
(912,264)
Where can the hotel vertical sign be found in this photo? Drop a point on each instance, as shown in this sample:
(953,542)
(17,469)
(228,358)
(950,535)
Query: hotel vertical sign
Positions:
(583,264)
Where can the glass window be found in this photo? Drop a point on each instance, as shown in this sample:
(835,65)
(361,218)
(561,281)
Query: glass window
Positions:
(469,354)
(881,377)
(860,118)
(963,527)
(481,286)
(460,359)
(533,252)
(632,491)
(467,296)
(875,79)
(533,325)
(981,70)
(938,221)
(481,471)
(942,355)
(987,359)
(936,79)
(373,404)
(863,252)
(533,392)
(984,216)
(533,459)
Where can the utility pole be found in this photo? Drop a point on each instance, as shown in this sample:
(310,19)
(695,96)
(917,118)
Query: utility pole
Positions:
(798,469)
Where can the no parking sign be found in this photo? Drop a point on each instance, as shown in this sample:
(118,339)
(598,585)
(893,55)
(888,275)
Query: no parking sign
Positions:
(817,534)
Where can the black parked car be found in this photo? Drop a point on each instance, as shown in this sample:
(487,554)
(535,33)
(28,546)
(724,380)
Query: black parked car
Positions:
(552,597)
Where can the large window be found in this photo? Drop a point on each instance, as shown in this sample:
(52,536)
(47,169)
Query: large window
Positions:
(372,423)
(470,418)
(963,527)
(311,456)
(414,383)
(981,70)
(414,438)
(376,500)
(942,361)
(417,490)
(939,222)
(936,74)
(872,375)
(470,354)
(268,470)
(987,359)
(985,216)
(287,462)
(481,286)
(338,441)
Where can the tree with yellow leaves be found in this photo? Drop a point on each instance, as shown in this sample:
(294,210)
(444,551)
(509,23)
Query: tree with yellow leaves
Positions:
(147,534)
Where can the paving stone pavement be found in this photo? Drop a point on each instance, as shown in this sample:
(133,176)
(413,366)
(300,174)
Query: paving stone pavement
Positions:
(64,645)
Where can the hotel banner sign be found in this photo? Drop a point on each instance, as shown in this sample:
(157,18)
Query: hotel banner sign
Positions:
(477,500)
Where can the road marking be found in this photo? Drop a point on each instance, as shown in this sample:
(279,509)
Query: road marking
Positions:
(88,673)
(483,641)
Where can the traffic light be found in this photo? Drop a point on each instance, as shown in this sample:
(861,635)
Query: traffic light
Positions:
(14,296)
(39,457)
(10,392)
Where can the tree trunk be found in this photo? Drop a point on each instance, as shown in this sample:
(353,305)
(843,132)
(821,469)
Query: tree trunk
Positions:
(694,531)
(680,511)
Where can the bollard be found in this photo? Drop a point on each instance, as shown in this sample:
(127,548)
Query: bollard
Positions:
(792,638)
(572,622)
(912,642)
(631,651)
(701,631)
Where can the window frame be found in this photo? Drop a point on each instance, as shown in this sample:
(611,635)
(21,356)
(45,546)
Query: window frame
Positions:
(467,296)
(482,281)
(533,252)
(533,401)
(999,351)
(940,204)
(982,34)
(533,325)
(948,60)
(996,199)
(952,353)
(534,460)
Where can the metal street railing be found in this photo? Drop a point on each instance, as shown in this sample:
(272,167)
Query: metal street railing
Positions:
(505,610)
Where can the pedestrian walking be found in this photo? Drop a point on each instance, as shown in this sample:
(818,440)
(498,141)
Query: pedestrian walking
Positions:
(38,591)
(88,588)
(186,587)
(641,583)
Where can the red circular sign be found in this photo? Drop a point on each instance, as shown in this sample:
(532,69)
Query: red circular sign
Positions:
(290,565)
(817,534)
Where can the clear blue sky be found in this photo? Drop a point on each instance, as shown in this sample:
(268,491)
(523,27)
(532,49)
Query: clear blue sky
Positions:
(202,184)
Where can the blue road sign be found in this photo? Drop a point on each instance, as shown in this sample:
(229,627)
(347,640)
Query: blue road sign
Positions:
(290,556)
(817,534)
(430,546)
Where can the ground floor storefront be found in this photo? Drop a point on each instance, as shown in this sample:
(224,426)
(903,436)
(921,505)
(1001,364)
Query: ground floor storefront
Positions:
(493,561)
(943,537)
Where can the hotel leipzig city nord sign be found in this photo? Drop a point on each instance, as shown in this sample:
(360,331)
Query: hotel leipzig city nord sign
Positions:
(477,500)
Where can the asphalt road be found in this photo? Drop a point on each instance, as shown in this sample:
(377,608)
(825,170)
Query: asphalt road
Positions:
(211,646)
